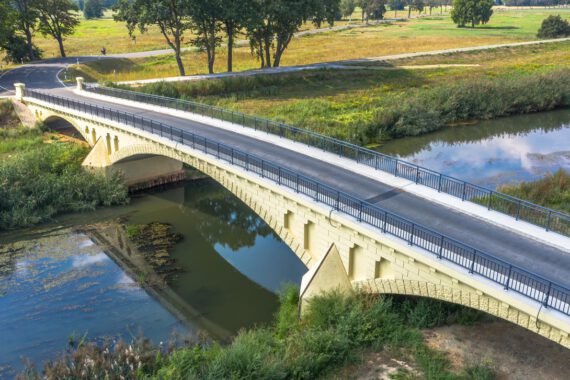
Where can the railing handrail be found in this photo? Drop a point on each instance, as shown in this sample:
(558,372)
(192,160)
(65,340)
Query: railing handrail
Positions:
(477,192)
(524,282)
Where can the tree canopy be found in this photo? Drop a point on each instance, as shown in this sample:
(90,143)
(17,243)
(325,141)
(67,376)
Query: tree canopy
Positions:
(57,18)
(472,12)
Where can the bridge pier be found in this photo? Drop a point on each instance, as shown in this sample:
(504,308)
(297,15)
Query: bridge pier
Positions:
(139,172)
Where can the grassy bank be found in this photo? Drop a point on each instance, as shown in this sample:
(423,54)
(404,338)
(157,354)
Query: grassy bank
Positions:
(333,333)
(41,176)
(423,34)
(379,101)
(552,191)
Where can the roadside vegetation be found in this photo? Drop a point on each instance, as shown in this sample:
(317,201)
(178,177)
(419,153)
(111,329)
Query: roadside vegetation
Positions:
(552,191)
(335,331)
(41,176)
(370,103)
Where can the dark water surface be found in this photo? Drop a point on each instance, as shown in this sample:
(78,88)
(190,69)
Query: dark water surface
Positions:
(59,284)
(494,152)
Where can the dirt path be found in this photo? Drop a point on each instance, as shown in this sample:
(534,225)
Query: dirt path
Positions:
(514,353)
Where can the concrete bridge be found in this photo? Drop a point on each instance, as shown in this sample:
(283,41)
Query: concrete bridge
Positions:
(352,226)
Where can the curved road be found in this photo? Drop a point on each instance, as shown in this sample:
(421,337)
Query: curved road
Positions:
(549,262)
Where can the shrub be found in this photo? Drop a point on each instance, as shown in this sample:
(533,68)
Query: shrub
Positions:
(554,27)
(39,183)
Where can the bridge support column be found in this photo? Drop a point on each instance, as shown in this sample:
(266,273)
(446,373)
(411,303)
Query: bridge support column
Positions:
(328,274)
(80,83)
(20,91)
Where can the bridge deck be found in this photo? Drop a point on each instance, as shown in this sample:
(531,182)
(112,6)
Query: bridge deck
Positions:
(544,260)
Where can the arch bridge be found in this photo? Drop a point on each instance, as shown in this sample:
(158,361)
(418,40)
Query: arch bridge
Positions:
(346,242)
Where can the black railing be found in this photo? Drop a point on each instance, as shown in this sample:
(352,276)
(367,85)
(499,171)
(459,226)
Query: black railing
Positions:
(550,219)
(443,247)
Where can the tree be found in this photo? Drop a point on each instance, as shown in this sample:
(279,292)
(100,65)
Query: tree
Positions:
(554,27)
(16,48)
(417,5)
(207,26)
(472,12)
(273,24)
(171,17)
(93,9)
(57,19)
(27,17)
(397,5)
(234,17)
(325,10)
(347,7)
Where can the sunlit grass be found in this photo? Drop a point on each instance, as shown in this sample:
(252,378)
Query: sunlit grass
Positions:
(425,34)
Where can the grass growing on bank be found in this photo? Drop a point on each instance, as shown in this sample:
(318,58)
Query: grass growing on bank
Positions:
(377,103)
(552,191)
(41,177)
(334,332)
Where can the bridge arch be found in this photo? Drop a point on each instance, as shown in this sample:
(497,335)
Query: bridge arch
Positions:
(367,258)
(66,126)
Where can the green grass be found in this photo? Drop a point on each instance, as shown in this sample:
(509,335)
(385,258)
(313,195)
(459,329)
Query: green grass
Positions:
(334,332)
(552,191)
(424,34)
(42,177)
(374,103)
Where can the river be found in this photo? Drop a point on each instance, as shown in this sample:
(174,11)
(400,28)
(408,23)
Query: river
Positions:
(494,152)
(58,284)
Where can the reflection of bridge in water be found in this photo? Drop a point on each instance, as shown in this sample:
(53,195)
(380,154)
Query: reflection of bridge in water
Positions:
(424,239)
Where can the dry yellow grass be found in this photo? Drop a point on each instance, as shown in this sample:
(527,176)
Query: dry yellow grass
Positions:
(401,37)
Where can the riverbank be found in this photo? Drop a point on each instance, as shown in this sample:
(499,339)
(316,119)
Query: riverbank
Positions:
(368,103)
(41,176)
(552,191)
(333,333)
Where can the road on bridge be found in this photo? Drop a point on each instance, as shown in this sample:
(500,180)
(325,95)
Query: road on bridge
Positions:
(534,256)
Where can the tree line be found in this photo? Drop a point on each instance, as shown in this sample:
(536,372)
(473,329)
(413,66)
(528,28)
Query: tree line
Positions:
(21,19)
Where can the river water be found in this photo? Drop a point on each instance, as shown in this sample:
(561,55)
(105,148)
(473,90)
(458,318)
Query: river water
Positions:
(494,152)
(57,285)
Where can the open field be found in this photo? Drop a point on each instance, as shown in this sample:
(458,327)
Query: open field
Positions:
(424,34)
(92,35)
(360,105)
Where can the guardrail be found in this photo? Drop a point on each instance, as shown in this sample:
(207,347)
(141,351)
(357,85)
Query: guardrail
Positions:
(551,220)
(443,247)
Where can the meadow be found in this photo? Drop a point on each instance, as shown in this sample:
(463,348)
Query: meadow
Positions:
(373,103)
(421,34)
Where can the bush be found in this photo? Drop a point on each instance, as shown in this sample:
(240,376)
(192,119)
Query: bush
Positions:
(16,49)
(39,183)
(554,27)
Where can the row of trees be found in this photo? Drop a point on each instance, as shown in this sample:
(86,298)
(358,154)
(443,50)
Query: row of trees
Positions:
(20,19)
(269,24)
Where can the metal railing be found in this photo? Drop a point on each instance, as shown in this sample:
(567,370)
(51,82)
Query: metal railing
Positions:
(443,247)
(551,220)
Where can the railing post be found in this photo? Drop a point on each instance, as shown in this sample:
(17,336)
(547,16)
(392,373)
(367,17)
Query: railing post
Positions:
(548,221)
(396,169)
(440,253)
(338,200)
(490,200)
(439,184)
(297,183)
(509,278)
(411,242)
(471,270)
(417,174)
(20,91)
(464,188)
(545,303)
(518,211)
(360,212)
(279,175)
(317,193)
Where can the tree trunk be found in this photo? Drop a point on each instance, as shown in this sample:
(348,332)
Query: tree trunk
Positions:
(61,49)
(267,47)
(230,33)
(409,11)
(179,63)
(28,33)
